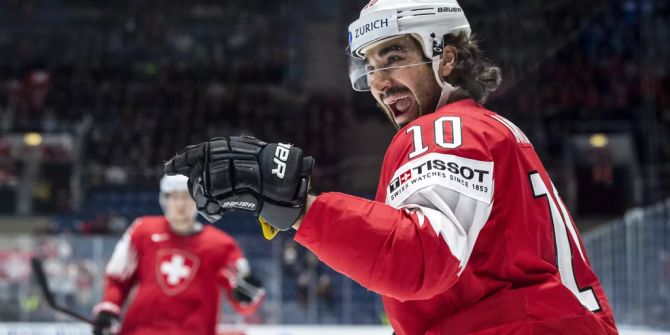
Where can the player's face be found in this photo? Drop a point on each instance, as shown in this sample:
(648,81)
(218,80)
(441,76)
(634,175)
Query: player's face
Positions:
(401,80)
(180,211)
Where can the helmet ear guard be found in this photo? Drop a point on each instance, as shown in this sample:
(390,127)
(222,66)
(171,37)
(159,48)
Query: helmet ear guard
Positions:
(426,20)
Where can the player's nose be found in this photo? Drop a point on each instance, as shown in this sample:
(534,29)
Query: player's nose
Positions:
(380,81)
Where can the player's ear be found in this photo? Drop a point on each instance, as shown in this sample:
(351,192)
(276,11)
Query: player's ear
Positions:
(449,58)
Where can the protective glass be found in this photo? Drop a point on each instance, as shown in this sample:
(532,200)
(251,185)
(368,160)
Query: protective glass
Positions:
(363,73)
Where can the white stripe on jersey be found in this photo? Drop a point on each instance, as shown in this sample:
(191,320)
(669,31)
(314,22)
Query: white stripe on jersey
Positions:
(568,222)
(123,262)
(516,131)
(455,194)
(455,216)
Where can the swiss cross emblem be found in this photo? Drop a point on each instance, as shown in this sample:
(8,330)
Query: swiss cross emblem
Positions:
(175,269)
(405,176)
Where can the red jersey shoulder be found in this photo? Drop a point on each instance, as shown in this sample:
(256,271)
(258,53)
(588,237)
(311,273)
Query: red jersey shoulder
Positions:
(219,242)
(462,128)
(453,147)
(217,236)
(147,225)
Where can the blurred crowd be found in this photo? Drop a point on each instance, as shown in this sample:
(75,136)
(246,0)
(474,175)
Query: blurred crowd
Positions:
(589,67)
(137,80)
(140,82)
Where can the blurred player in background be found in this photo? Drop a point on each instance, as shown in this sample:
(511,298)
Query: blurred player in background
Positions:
(179,267)
(467,234)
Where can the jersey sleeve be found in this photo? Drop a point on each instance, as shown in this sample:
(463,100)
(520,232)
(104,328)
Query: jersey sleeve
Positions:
(120,272)
(235,267)
(415,240)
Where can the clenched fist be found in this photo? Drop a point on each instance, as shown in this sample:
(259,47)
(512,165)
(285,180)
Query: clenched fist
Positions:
(241,172)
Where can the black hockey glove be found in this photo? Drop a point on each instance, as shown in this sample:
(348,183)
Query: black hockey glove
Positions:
(245,173)
(248,289)
(106,323)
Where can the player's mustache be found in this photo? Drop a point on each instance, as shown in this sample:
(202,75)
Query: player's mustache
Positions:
(394,90)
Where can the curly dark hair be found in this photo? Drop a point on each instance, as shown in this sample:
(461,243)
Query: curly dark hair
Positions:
(473,72)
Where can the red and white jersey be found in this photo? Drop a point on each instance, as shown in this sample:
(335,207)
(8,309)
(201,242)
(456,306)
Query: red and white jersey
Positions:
(467,234)
(178,278)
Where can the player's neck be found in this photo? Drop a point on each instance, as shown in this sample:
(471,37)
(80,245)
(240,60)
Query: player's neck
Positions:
(457,95)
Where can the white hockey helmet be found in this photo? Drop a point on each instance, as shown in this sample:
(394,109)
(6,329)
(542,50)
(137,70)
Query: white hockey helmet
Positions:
(169,184)
(426,20)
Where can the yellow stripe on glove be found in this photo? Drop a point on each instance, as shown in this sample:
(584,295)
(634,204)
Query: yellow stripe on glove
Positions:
(269,232)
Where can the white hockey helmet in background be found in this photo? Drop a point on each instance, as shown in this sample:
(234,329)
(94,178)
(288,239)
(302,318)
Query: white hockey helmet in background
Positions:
(426,20)
(169,184)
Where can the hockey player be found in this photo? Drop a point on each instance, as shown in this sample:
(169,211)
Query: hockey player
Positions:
(467,235)
(179,267)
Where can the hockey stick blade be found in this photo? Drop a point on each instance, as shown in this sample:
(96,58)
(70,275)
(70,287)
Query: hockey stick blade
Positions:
(48,295)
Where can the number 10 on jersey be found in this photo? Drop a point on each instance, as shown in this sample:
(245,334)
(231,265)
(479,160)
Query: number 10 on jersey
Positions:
(562,223)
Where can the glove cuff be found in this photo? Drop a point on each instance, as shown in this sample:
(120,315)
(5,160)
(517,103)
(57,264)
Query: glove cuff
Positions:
(107,306)
(281,217)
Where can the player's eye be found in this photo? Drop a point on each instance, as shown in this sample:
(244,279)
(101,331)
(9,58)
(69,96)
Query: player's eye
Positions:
(392,60)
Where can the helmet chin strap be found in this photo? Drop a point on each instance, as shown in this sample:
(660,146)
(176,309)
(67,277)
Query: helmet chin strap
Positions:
(447,88)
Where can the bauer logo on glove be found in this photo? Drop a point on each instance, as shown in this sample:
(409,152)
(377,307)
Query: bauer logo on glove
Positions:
(245,173)
(281,155)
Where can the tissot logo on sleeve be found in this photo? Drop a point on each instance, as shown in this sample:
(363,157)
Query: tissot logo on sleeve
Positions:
(403,178)
(470,177)
(159,237)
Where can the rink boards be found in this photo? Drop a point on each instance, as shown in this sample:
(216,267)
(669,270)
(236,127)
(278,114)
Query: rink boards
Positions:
(83,329)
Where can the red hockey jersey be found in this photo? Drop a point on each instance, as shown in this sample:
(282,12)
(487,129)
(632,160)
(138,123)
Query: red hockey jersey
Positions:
(178,278)
(467,234)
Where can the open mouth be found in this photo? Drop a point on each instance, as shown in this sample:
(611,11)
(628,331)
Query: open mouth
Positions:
(399,104)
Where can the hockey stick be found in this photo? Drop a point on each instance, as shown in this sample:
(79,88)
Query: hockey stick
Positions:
(48,295)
